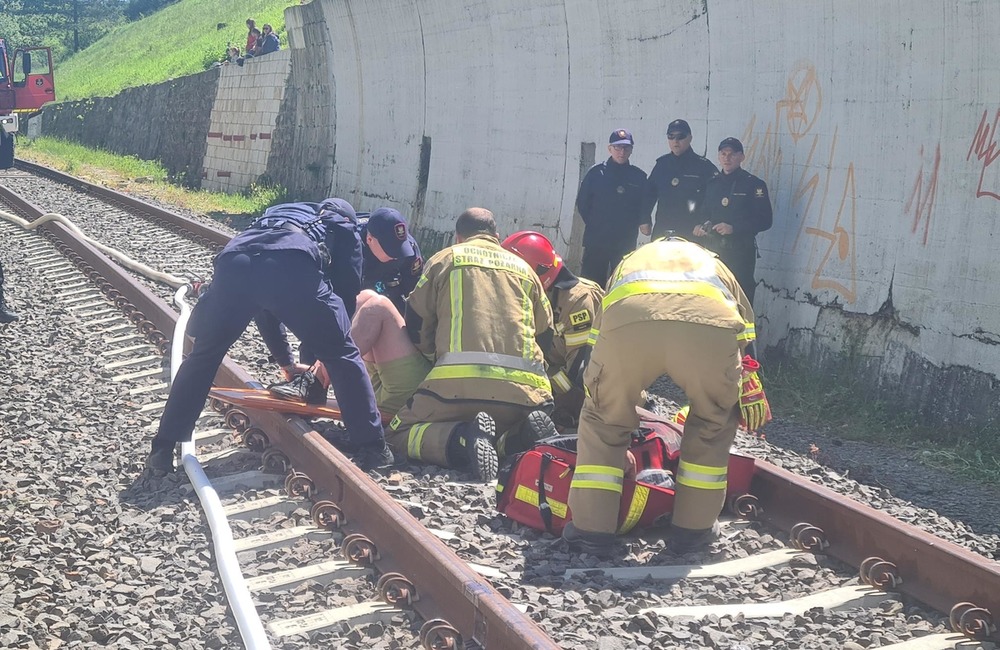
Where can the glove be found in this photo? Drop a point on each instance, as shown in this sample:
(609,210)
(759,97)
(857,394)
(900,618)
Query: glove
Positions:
(755,412)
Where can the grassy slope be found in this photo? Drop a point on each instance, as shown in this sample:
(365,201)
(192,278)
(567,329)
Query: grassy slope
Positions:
(176,41)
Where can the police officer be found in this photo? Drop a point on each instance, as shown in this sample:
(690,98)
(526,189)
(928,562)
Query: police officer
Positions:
(576,302)
(676,185)
(6,314)
(285,264)
(610,203)
(735,209)
(671,307)
(392,258)
(477,311)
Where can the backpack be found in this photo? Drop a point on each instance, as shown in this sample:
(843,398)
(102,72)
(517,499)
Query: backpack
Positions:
(533,486)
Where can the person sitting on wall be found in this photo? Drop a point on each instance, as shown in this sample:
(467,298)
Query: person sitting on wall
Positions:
(270,41)
(252,34)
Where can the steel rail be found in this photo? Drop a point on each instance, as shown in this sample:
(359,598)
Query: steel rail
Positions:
(447,587)
(934,571)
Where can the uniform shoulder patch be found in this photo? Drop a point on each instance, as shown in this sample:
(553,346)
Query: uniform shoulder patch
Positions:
(759,193)
(417,266)
(579,318)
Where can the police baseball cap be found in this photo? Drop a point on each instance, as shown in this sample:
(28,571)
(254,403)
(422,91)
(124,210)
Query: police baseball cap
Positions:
(733,144)
(679,126)
(388,226)
(621,136)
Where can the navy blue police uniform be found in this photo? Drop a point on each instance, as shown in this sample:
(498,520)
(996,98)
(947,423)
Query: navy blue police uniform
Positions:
(741,200)
(396,278)
(676,187)
(291,266)
(610,202)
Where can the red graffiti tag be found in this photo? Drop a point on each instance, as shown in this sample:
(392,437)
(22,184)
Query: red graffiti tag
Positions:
(984,145)
(920,201)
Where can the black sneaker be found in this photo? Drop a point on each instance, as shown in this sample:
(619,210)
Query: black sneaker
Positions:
(582,541)
(373,457)
(471,447)
(687,540)
(302,388)
(161,457)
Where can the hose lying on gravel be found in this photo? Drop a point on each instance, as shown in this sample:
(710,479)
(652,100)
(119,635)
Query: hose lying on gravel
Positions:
(241,603)
(123,259)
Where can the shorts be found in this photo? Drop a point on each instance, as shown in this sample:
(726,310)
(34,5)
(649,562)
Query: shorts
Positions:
(396,381)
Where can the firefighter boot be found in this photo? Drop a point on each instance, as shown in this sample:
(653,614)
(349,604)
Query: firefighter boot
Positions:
(470,447)
(161,457)
(584,541)
(6,315)
(687,540)
(302,388)
(523,437)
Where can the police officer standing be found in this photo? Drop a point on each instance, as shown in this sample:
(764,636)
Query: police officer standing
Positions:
(392,258)
(6,315)
(676,185)
(286,264)
(671,307)
(735,209)
(610,202)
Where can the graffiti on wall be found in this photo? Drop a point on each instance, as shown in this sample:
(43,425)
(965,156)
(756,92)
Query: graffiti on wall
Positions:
(984,146)
(818,191)
(921,201)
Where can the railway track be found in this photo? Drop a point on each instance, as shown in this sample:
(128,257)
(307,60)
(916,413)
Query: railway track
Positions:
(436,561)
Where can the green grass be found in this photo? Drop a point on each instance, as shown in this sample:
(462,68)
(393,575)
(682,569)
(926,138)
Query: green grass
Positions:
(839,403)
(145,177)
(181,39)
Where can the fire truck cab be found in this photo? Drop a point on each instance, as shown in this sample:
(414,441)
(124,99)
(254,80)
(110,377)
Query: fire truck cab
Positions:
(26,83)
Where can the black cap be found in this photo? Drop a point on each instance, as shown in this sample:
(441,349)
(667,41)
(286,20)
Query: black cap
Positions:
(388,226)
(733,144)
(621,136)
(679,126)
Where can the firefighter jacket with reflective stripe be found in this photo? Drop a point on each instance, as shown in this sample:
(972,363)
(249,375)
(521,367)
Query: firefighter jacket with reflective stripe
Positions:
(479,308)
(576,302)
(673,279)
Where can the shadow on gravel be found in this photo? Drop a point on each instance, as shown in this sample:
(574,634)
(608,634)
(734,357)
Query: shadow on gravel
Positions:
(148,491)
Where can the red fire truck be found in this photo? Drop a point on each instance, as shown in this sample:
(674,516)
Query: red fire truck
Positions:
(25,84)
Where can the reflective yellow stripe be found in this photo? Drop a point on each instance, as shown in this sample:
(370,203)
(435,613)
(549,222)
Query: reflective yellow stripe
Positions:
(561,381)
(475,371)
(592,338)
(455,288)
(526,494)
(490,359)
(422,281)
(749,333)
(574,340)
(416,437)
(527,320)
(703,477)
(638,287)
(598,477)
(635,509)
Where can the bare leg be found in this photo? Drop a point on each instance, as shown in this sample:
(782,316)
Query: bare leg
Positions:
(379,330)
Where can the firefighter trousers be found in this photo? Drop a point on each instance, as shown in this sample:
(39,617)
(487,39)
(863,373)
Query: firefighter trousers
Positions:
(702,360)
(421,430)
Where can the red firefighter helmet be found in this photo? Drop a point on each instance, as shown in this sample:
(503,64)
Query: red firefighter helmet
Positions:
(536,249)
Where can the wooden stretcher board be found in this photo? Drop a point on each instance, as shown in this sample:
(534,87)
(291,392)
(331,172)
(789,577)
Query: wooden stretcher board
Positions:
(261,399)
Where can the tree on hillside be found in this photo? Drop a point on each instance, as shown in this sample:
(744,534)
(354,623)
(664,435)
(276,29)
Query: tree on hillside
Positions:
(68,25)
(10,28)
(136,9)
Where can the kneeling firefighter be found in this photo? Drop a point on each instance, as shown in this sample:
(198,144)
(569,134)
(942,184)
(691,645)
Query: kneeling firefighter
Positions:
(671,307)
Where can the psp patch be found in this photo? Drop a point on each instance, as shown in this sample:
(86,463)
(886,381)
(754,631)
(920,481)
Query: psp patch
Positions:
(579,319)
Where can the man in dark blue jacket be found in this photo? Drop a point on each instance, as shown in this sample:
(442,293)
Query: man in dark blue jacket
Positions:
(610,202)
(288,267)
(392,258)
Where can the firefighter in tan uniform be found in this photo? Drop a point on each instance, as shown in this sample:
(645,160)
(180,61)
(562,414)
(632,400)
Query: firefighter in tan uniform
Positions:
(671,307)
(476,311)
(576,302)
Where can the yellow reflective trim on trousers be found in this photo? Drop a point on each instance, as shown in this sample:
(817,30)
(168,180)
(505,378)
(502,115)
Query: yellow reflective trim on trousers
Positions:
(415,438)
(594,485)
(527,319)
(455,289)
(701,485)
(598,477)
(635,509)
(609,470)
(704,477)
(561,381)
(640,287)
(714,470)
(529,496)
(474,371)
(574,340)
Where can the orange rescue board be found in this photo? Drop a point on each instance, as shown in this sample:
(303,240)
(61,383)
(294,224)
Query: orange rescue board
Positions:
(261,399)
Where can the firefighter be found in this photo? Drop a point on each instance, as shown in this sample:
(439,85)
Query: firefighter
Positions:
(575,304)
(671,307)
(477,311)
(6,314)
(286,266)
